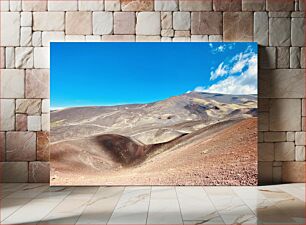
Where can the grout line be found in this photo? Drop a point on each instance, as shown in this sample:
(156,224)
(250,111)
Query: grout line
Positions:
(30,199)
(4,218)
(149,205)
(56,205)
(116,204)
(217,211)
(178,201)
(254,212)
(28,203)
(86,202)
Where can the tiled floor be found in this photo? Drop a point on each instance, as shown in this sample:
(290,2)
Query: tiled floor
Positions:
(40,204)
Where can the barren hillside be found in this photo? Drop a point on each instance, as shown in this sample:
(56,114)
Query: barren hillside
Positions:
(192,139)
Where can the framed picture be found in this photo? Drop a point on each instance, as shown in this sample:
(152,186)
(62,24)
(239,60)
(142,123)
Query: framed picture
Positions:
(153,113)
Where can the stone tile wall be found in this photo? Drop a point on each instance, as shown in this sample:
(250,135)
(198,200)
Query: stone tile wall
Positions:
(28,26)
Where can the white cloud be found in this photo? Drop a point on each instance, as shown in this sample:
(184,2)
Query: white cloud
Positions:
(246,83)
(241,61)
(200,89)
(219,72)
(221,47)
(240,75)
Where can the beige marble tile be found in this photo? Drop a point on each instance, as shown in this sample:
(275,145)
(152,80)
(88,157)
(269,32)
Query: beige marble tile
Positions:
(268,214)
(294,208)
(256,204)
(248,193)
(164,212)
(52,193)
(82,192)
(100,208)
(164,206)
(219,191)
(168,205)
(68,211)
(281,208)
(32,212)
(163,193)
(9,206)
(296,190)
(195,204)
(234,211)
(230,207)
(132,207)
(9,188)
(209,219)
(29,191)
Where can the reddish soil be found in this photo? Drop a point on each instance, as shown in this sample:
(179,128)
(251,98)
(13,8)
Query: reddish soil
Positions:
(223,155)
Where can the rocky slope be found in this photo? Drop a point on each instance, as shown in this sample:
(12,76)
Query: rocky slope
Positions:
(153,123)
(221,154)
(158,143)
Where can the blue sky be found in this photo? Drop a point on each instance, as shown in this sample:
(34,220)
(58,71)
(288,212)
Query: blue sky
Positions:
(87,74)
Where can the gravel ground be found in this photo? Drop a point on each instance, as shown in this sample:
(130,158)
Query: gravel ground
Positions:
(227,156)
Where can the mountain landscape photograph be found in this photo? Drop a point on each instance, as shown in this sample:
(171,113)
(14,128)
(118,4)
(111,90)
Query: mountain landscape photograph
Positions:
(153,114)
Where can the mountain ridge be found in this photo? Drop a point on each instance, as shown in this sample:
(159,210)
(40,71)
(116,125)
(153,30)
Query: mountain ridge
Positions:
(193,109)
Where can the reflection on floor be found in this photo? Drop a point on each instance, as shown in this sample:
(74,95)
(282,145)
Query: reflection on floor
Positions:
(40,204)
